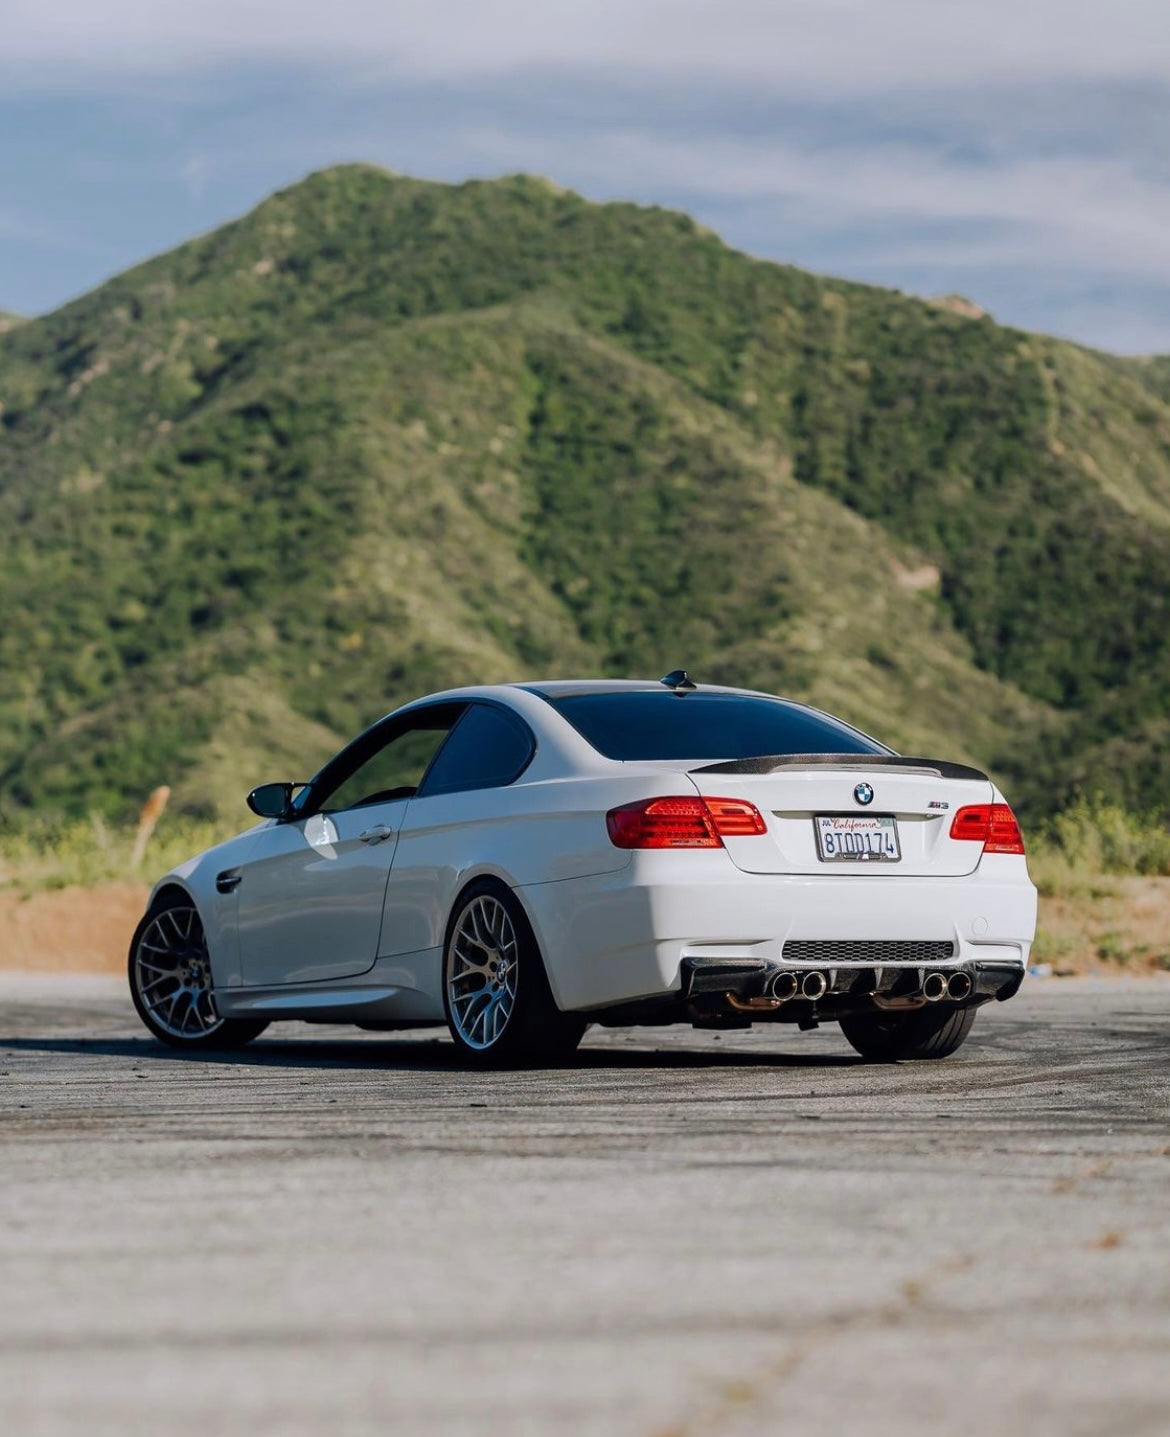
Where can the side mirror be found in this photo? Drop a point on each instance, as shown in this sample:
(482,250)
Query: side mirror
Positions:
(271,800)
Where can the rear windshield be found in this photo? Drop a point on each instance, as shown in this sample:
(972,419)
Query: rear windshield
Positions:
(632,726)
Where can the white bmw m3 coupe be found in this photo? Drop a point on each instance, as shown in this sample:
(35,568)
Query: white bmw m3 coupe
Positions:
(522,860)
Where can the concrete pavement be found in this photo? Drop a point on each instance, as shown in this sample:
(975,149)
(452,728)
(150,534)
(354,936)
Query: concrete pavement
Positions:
(684,1233)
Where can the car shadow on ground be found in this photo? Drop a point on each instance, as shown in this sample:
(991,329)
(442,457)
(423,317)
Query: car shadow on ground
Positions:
(416,1055)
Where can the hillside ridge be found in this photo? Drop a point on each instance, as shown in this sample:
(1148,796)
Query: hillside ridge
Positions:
(380,435)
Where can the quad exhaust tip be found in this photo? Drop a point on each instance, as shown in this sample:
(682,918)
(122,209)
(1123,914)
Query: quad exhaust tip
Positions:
(785,986)
(935,987)
(813,985)
(959,986)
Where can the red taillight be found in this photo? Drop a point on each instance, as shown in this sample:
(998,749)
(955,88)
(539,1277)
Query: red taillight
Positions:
(682,822)
(662,823)
(992,824)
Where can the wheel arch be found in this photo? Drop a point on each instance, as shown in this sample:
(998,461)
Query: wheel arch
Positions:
(487,874)
(220,943)
(166,891)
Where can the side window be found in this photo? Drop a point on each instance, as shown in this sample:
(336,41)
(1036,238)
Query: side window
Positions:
(396,768)
(488,748)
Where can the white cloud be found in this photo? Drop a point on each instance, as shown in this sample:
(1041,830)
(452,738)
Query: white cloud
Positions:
(799,45)
(1097,212)
(1007,147)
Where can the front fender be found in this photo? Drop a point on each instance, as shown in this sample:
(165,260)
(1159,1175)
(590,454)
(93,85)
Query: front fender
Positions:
(195,878)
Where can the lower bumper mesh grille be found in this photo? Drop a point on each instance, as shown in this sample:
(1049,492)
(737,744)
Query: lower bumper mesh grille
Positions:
(833,950)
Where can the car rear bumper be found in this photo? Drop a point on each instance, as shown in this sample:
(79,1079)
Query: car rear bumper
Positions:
(719,994)
(655,927)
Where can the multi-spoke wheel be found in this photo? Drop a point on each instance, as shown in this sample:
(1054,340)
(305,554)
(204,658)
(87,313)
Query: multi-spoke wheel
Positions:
(170,981)
(499,1006)
(482,971)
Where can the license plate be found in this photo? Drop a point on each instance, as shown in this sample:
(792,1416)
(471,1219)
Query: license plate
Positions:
(857,838)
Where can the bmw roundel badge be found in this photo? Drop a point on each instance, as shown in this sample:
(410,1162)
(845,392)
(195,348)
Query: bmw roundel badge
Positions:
(863,793)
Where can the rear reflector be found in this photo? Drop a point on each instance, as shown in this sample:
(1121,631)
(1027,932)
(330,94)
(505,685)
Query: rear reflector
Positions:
(683,822)
(992,824)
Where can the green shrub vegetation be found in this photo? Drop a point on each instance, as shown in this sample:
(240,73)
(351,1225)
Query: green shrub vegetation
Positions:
(381,435)
(1089,839)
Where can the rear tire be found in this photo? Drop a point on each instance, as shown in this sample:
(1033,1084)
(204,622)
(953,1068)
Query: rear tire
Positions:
(933,1032)
(499,1006)
(170,981)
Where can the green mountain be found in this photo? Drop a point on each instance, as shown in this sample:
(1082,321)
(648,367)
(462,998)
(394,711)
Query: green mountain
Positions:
(380,436)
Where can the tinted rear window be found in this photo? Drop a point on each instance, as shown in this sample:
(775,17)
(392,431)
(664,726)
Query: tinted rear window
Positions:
(632,726)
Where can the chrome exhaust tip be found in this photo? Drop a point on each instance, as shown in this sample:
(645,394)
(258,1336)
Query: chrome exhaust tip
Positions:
(814,985)
(934,987)
(784,986)
(959,986)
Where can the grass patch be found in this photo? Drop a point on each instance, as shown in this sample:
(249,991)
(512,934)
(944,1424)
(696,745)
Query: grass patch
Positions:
(88,852)
(1054,948)
(1102,871)
(1112,948)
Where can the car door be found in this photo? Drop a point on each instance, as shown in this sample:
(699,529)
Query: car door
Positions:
(460,819)
(312,894)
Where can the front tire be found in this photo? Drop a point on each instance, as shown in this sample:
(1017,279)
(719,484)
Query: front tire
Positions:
(496,995)
(926,1033)
(170,981)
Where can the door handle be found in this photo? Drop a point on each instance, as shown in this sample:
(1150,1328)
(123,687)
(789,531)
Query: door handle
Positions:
(379,834)
(228,881)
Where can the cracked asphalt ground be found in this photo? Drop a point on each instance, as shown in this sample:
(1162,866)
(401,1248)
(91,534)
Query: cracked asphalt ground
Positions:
(682,1234)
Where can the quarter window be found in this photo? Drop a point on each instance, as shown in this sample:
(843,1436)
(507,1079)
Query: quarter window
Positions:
(488,748)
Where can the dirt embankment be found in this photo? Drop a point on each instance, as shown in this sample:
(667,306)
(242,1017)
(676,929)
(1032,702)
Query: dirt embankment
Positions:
(70,930)
(1107,924)
(1124,923)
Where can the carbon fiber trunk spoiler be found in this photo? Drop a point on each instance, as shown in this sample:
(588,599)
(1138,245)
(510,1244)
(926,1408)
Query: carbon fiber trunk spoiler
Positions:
(848,762)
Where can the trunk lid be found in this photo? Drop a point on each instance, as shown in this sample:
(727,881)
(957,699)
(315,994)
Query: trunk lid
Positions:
(818,825)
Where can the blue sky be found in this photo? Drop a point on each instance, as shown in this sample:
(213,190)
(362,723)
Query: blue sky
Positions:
(1015,151)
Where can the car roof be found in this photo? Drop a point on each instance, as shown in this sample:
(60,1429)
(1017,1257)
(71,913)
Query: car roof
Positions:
(551,690)
(568,688)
